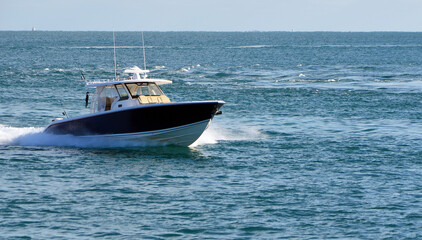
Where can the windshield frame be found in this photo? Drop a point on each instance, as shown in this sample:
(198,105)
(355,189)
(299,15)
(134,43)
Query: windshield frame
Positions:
(121,95)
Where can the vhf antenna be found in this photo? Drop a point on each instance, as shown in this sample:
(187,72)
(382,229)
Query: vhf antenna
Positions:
(115,64)
(143,49)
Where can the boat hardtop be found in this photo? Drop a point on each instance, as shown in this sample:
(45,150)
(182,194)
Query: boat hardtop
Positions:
(136,77)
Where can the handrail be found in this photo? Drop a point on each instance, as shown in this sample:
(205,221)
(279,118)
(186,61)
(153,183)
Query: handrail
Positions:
(89,82)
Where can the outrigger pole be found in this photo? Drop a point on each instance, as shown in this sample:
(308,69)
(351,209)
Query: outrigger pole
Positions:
(115,64)
(143,49)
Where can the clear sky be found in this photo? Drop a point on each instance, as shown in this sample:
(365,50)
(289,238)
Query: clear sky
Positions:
(212,15)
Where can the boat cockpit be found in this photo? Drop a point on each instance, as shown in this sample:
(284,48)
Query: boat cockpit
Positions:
(112,95)
(122,95)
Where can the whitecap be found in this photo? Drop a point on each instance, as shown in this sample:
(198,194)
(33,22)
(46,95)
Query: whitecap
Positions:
(253,46)
(189,68)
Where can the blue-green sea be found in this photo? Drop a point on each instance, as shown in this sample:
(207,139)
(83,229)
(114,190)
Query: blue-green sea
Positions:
(320,138)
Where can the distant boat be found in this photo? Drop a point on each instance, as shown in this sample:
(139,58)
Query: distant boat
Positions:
(34,29)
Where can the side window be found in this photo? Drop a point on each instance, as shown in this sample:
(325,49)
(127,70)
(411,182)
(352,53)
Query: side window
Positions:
(110,92)
(122,92)
(106,98)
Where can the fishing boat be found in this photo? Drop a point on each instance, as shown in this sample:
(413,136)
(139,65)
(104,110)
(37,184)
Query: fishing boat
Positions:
(136,109)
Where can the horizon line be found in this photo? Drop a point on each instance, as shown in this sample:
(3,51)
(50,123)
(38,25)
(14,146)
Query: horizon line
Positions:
(216,31)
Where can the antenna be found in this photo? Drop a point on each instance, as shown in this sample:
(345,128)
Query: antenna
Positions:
(143,49)
(64,113)
(115,64)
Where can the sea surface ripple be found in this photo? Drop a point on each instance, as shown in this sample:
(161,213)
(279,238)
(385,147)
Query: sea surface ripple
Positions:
(320,138)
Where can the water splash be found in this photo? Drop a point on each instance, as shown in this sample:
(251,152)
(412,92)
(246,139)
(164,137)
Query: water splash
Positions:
(30,136)
(8,135)
(216,133)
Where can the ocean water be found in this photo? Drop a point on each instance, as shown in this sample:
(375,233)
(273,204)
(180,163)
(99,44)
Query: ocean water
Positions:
(320,137)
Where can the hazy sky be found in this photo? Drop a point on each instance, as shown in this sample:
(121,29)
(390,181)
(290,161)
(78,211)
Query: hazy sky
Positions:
(212,15)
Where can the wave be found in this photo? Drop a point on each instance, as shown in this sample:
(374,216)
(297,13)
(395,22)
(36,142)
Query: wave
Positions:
(106,47)
(132,47)
(158,67)
(220,75)
(254,46)
(415,85)
(188,68)
(57,70)
(359,46)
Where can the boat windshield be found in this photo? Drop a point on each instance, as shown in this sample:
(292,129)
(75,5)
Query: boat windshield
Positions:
(122,92)
(144,89)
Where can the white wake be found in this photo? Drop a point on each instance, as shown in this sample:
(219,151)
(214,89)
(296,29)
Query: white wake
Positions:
(33,136)
(217,133)
(30,136)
